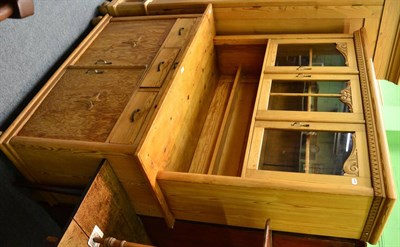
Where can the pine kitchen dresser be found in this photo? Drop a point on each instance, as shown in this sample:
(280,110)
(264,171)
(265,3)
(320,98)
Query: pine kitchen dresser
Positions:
(230,130)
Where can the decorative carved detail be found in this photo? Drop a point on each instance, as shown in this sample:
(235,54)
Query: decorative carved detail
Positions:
(350,167)
(342,48)
(372,141)
(369,121)
(346,96)
(376,203)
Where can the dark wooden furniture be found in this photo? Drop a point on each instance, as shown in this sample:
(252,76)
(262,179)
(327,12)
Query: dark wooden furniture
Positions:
(16,9)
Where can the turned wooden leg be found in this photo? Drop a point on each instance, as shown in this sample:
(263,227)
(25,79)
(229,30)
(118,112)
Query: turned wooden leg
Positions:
(16,9)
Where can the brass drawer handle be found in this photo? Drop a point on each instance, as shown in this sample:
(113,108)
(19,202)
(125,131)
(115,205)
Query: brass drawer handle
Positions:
(159,66)
(101,61)
(300,124)
(180,31)
(133,115)
(95,71)
(304,68)
(303,76)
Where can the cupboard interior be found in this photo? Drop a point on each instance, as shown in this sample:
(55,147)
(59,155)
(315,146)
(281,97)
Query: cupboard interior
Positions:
(221,127)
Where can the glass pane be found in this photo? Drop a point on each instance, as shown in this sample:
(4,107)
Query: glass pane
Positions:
(321,96)
(293,55)
(277,154)
(299,55)
(287,103)
(317,152)
(289,86)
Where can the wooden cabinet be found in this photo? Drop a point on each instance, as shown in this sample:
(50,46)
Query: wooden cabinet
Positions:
(206,128)
(100,104)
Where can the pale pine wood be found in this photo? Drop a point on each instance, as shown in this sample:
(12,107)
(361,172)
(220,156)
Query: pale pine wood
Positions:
(281,26)
(386,37)
(293,210)
(179,32)
(134,116)
(232,153)
(160,68)
(157,150)
(390,195)
(160,147)
(261,39)
(57,167)
(224,125)
(130,174)
(83,105)
(155,17)
(206,144)
(393,74)
(249,57)
(372,26)
(351,68)
(293,116)
(297,12)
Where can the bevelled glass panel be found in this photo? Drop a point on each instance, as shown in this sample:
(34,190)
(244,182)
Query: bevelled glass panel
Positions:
(316,152)
(309,55)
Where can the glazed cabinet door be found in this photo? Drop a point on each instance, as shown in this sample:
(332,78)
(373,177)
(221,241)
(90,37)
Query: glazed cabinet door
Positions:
(84,104)
(331,98)
(127,43)
(287,149)
(305,56)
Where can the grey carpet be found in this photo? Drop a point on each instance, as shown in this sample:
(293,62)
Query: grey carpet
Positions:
(30,51)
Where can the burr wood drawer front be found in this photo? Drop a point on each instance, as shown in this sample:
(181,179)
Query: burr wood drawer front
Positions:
(84,105)
(127,43)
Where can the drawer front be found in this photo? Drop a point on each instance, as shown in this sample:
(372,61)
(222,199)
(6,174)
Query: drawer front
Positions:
(160,68)
(179,32)
(134,116)
(84,105)
(127,43)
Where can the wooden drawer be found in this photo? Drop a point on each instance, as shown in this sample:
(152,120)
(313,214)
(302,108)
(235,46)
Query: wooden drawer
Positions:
(133,118)
(85,104)
(127,43)
(179,32)
(160,68)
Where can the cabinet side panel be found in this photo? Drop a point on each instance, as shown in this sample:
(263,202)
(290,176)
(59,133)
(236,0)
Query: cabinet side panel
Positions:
(136,185)
(206,200)
(172,138)
(60,167)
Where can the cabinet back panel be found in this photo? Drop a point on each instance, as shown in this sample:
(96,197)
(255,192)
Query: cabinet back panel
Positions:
(250,57)
(83,106)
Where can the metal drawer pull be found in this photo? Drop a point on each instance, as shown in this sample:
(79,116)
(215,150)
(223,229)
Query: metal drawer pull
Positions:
(101,61)
(175,65)
(94,71)
(180,31)
(133,115)
(304,68)
(159,66)
(302,76)
(300,124)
